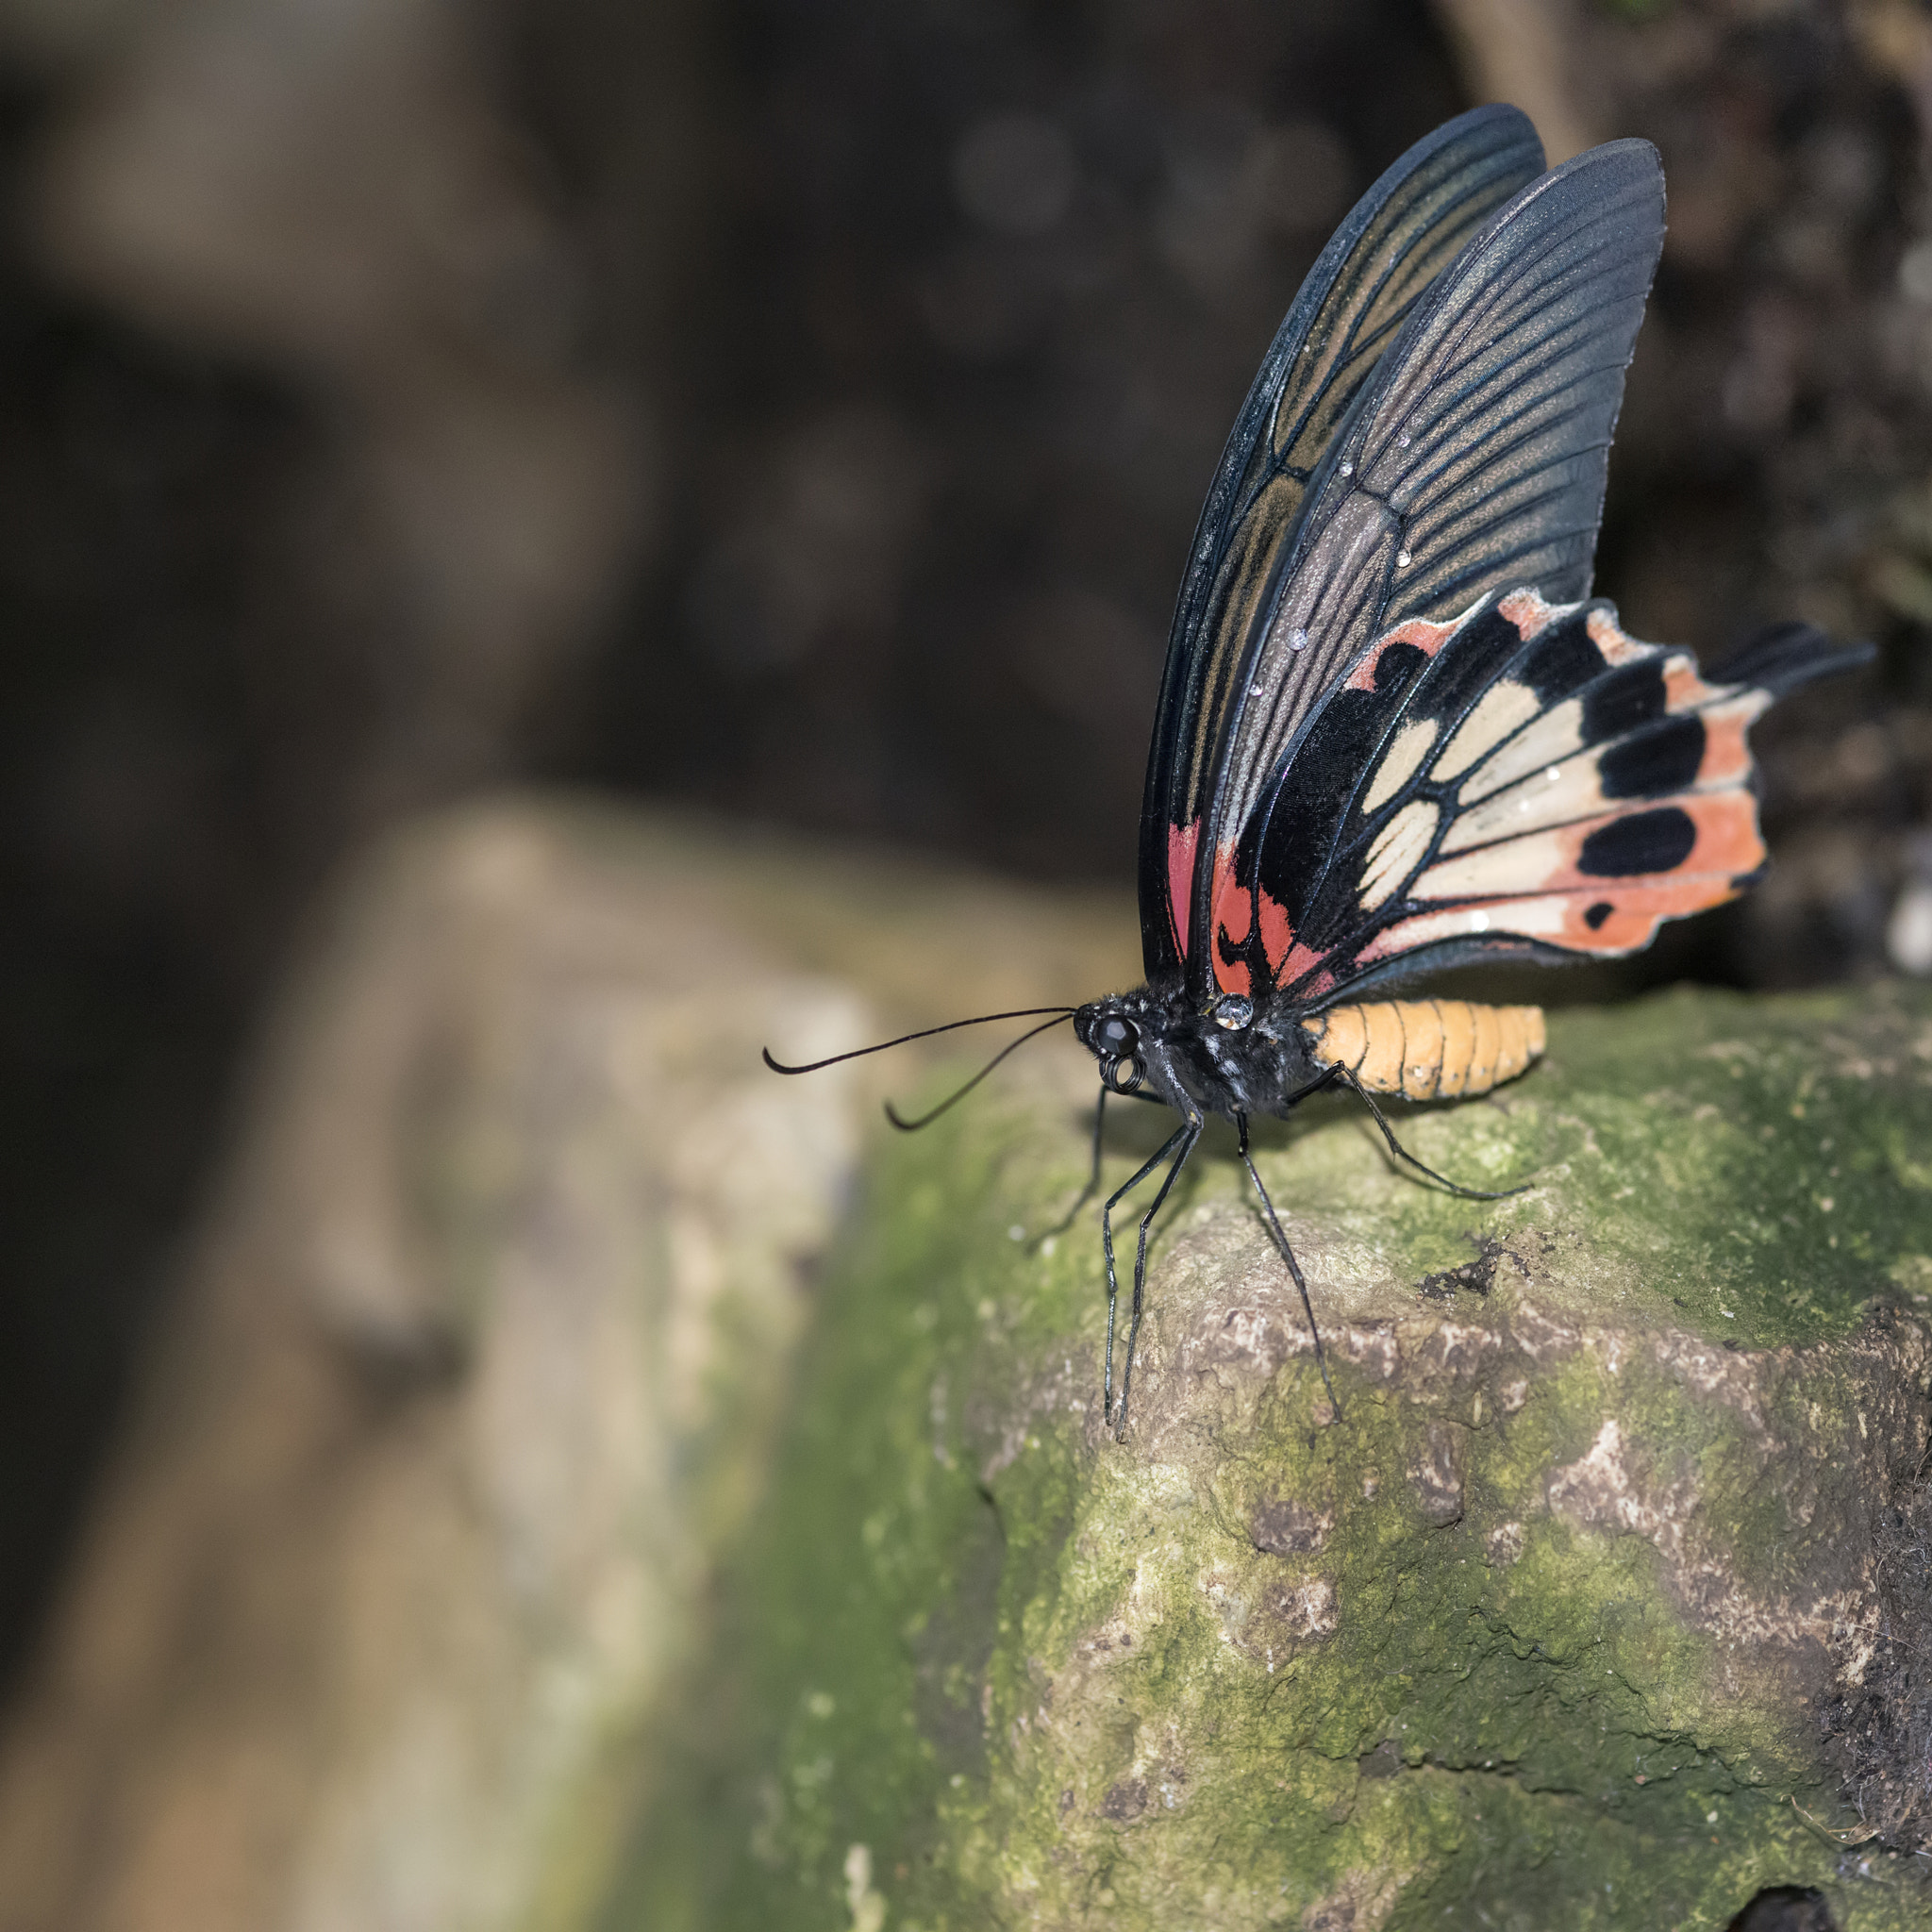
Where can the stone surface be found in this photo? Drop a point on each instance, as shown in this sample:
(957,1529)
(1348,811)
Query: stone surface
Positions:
(1593,1605)
(473,1371)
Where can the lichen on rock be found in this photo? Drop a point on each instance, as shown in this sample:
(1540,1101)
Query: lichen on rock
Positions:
(1601,1601)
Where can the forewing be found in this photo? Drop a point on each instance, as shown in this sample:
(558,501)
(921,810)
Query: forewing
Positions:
(1396,240)
(1473,461)
(1527,780)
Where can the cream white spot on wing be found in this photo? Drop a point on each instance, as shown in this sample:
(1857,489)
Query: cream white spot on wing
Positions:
(1495,870)
(1397,851)
(1409,747)
(1533,917)
(1503,708)
(1547,741)
(1572,789)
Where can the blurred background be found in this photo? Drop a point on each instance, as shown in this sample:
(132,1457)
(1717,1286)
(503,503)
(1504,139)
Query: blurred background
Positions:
(798,409)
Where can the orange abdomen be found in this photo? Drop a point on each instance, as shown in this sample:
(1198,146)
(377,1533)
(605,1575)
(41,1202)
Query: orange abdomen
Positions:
(1427,1049)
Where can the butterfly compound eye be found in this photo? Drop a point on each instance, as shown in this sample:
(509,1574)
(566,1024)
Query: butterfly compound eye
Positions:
(1115,1035)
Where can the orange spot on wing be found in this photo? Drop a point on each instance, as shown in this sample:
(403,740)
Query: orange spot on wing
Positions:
(1556,909)
(1636,911)
(1726,755)
(1683,689)
(1616,644)
(1727,835)
(1529,612)
(1728,844)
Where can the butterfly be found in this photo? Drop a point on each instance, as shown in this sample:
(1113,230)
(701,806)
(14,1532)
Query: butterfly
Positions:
(1395,730)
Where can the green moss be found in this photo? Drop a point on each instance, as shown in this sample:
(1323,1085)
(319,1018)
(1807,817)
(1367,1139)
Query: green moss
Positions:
(978,1662)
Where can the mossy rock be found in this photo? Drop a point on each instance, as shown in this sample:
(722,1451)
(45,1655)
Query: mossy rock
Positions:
(1596,1604)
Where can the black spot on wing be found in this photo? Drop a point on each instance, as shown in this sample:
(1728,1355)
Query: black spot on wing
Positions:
(1631,695)
(1597,914)
(1399,666)
(1562,658)
(1654,764)
(1646,842)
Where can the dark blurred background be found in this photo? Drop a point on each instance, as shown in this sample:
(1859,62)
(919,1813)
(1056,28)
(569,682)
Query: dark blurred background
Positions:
(797,408)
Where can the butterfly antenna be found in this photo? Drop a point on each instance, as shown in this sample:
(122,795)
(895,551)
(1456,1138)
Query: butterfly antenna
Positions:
(1395,1147)
(925,1119)
(925,1033)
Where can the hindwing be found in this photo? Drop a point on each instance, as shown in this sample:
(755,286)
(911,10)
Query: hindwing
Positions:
(1529,779)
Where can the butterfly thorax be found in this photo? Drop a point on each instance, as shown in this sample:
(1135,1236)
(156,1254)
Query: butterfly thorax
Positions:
(1232,1059)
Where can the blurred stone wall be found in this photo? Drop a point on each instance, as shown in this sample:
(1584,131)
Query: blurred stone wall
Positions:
(333,439)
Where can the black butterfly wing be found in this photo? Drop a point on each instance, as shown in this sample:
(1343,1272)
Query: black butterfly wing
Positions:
(1394,243)
(1472,463)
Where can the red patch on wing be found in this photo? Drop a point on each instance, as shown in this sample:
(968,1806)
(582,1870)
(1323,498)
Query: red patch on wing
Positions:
(1427,638)
(1301,961)
(1233,919)
(1726,755)
(1181,841)
(1728,836)
(1277,935)
(1234,903)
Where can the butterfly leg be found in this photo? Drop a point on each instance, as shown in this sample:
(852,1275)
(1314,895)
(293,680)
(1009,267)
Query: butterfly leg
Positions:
(1180,1144)
(1326,1077)
(1093,1187)
(1395,1147)
(1240,1120)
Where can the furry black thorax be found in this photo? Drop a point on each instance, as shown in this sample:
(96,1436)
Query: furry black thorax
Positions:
(1230,1060)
